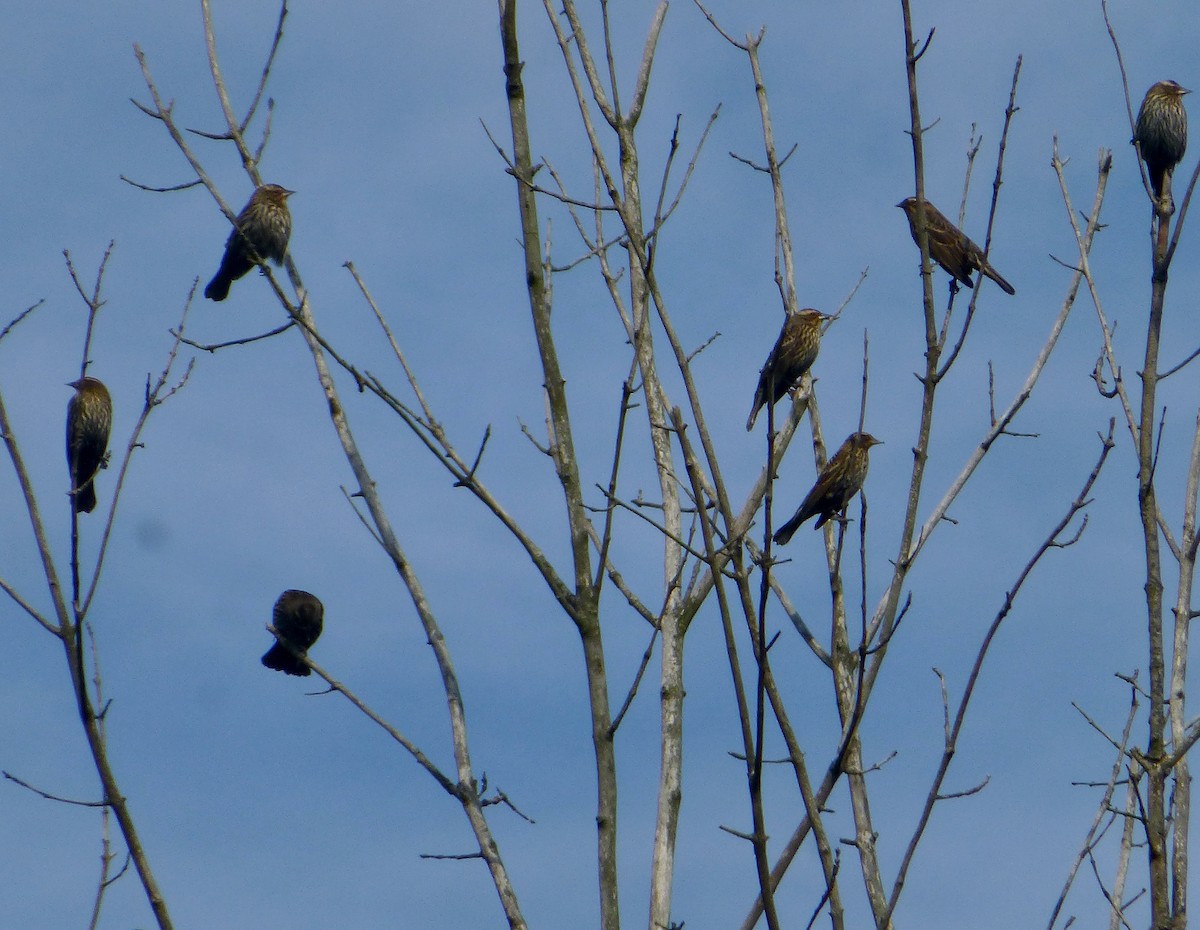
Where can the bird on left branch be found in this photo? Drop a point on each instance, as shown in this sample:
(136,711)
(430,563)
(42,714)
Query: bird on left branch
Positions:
(89,421)
(298,617)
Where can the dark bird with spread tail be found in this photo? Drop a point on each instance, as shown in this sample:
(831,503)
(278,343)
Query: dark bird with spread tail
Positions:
(1161,133)
(794,353)
(262,233)
(298,616)
(949,246)
(841,478)
(89,420)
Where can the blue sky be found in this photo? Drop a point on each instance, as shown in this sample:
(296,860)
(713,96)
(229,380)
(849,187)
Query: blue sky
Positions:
(262,807)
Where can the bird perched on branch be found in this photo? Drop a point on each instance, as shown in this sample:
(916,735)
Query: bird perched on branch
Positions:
(262,232)
(795,350)
(841,478)
(298,616)
(1161,133)
(949,246)
(89,420)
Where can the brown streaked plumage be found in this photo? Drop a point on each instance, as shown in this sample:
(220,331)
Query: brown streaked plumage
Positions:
(298,616)
(950,247)
(841,478)
(89,420)
(794,353)
(1161,132)
(262,233)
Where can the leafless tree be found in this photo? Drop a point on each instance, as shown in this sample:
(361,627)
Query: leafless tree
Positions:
(67,618)
(1155,813)
(718,557)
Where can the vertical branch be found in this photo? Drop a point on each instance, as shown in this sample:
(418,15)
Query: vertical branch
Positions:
(624,190)
(94,303)
(73,626)
(1156,776)
(783,233)
(539,298)
(1182,617)
(1168,873)
(214,67)
(847,691)
(752,741)
(929,381)
(585,609)
(1124,853)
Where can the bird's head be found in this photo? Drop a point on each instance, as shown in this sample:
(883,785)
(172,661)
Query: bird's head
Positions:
(275,192)
(1168,89)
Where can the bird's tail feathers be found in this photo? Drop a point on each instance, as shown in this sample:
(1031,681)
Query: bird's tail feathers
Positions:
(784,534)
(85,498)
(218,288)
(279,659)
(995,276)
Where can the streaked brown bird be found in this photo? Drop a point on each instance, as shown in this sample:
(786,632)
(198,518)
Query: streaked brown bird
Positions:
(949,246)
(89,420)
(1161,133)
(262,233)
(794,353)
(841,478)
(298,616)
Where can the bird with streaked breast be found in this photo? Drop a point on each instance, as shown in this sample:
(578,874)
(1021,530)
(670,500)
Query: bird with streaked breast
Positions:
(1161,132)
(841,478)
(89,422)
(795,351)
(261,234)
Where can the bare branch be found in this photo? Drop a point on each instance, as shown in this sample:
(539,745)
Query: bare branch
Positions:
(956,729)
(52,797)
(19,318)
